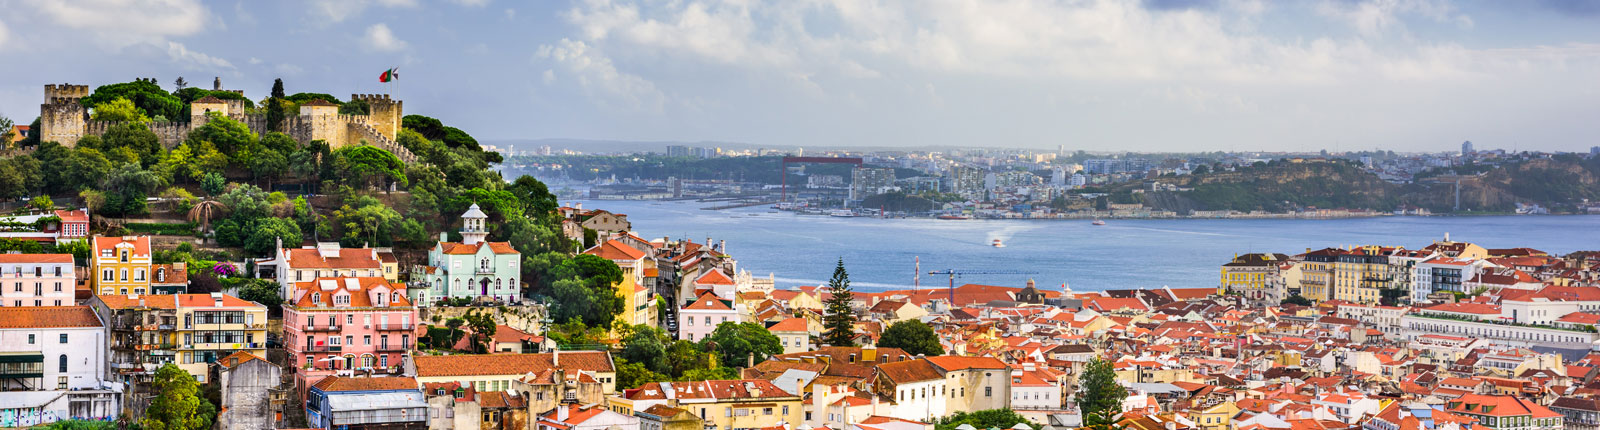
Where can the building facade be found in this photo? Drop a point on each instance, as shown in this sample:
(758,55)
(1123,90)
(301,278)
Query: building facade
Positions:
(37,280)
(473,269)
(121,265)
(52,366)
(343,324)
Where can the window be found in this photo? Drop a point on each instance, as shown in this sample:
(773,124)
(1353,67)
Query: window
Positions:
(63,361)
(58,287)
(366,339)
(30,336)
(61,381)
(63,338)
(766,411)
(785,410)
(124,273)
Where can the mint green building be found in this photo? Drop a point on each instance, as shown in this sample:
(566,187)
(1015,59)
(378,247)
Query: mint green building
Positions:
(473,268)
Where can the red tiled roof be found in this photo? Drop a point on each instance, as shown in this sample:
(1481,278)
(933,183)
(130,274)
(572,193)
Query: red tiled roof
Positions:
(239,357)
(615,250)
(510,364)
(348,258)
(72,216)
(359,298)
(954,362)
(173,275)
(455,248)
(713,277)
(336,383)
(141,244)
(1498,406)
(35,258)
(48,317)
(791,324)
(709,302)
(173,301)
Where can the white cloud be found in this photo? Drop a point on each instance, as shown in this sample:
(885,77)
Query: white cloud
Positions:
(254,61)
(4,35)
(597,75)
(511,13)
(121,23)
(288,69)
(473,3)
(336,11)
(380,38)
(182,55)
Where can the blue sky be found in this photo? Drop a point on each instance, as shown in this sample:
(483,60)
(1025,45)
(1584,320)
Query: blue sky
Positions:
(1167,75)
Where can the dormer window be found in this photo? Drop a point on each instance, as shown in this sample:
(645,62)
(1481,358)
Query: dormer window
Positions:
(316,298)
(124,256)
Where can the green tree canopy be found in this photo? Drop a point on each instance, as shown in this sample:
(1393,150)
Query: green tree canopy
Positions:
(631,375)
(736,344)
(137,138)
(839,319)
(984,419)
(913,337)
(646,346)
(120,109)
(367,165)
(177,404)
(148,96)
(1099,394)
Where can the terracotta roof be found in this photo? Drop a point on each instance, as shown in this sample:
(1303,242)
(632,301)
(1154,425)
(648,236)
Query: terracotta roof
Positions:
(455,248)
(348,258)
(172,301)
(336,383)
(791,324)
(709,302)
(955,362)
(360,297)
(35,258)
(1498,406)
(510,364)
(663,411)
(615,250)
(48,317)
(713,277)
(902,372)
(141,244)
(173,275)
(72,216)
(239,357)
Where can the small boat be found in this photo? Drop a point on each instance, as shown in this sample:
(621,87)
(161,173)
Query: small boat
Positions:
(843,213)
(953,217)
(998,244)
(1098,221)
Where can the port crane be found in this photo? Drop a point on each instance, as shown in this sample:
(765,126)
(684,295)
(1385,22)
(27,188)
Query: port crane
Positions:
(954,273)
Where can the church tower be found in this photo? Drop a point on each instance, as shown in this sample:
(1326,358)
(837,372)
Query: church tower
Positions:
(473,231)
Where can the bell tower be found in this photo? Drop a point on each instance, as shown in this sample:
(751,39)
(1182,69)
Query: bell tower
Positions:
(473,231)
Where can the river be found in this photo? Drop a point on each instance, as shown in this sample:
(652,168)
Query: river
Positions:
(881,253)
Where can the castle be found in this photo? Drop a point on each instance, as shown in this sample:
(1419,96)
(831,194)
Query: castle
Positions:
(63,119)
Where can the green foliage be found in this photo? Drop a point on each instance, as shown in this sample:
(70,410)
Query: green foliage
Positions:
(535,197)
(136,138)
(839,319)
(226,134)
(685,356)
(77,424)
(366,165)
(177,404)
(1099,392)
(149,97)
(119,109)
(898,202)
(275,106)
(127,187)
(646,346)
(161,228)
(913,337)
(41,203)
(1297,300)
(260,291)
(631,375)
(190,94)
(355,107)
(364,221)
(737,344)
(711,374)
(265,232)
(302,98)
(435,130)
(575,333)
(483,330)
(444,337)
(20,176)
(984,419)
(194,160)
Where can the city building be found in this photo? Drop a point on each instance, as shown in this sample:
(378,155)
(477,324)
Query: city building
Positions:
(473,269)
(326,260)
(169,278)
(347,403)
(724,404)
(120,265)
(53,366)
(699,319)
(585,376)
(347,324)
(250,393)
(458,406)
(868,181)
(1505,412)
(638,299)
(190,330)
(1251,274)
(592,417)
(37,280)
(794,333)
(1362,273)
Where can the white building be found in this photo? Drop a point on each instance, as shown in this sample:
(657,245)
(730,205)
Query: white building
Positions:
(697,320)
(53,366)
(1032,390)
(984,382)
(919,390)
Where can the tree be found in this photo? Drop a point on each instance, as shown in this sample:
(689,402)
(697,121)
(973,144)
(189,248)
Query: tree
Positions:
(177,404)
(839,321)
(366,165)
(119,110)
(269,164)
(203,212)
(631,375)
(710,374)
(265,233)
(77,424)
(92,200)
(483,330)
(684,356)
(646,346)
(5,130)
(275,106)
(984,419)
(740,344)
(137,138)
(913,337)
(213,184)
(1297,300)
(1098,392)
(147,95)
(229,136)
(179,84)
(41,203)
(127,187)
(537,201)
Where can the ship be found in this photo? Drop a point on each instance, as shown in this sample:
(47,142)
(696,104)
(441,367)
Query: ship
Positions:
(843,213)
(998,244)
(953,217)
(1098,221)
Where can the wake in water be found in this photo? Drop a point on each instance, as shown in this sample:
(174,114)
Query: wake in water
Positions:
(1005,233)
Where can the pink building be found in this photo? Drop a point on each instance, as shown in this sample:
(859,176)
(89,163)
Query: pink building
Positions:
(697,320)
(346,325)
(74,225)
(37,280)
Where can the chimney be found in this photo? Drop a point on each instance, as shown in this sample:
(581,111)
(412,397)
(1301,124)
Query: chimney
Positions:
(819,405)
(555,357)
(561,413)
(722,246)
(751,360)
(217,299)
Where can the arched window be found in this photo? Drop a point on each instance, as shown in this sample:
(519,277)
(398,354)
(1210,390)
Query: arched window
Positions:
(63,361)
(497,283)
(367,360)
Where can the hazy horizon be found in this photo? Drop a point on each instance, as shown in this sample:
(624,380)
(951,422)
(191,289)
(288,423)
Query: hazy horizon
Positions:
(1145,76)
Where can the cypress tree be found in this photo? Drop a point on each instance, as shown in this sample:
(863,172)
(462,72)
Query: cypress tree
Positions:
(839,320)
(275,108)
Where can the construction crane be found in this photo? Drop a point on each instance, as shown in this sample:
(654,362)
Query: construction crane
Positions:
(954,273)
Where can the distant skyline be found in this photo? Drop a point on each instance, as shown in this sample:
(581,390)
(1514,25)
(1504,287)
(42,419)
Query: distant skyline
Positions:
(1154,75)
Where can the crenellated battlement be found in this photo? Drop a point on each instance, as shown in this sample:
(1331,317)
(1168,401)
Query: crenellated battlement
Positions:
(57,91)
(370,98)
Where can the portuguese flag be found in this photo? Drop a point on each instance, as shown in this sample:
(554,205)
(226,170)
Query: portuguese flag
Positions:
(389,75)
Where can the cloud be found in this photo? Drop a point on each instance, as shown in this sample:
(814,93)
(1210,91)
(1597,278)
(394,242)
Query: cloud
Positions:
(5,35)
(182,55)
(121,23)
(511,13)
(473,3)
(380,38)
(336,11)
(598,76)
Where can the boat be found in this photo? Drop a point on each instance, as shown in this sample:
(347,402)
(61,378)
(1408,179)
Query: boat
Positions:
(953,217)
(843,213)
(998,244)
(1098,221)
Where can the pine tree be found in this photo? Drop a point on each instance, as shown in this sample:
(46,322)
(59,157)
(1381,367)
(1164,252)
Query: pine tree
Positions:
(275,108)
(839,321)
(1099,396)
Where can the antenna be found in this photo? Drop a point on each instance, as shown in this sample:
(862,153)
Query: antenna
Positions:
(916,278)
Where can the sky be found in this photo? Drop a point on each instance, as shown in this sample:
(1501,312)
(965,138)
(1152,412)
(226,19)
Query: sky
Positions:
(1097,75)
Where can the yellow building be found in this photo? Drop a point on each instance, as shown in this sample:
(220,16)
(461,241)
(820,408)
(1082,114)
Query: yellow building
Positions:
(190,330)
(121,265)
(1360,274)
(638,301)
(1317,273)
(1252,274)
(1217,417)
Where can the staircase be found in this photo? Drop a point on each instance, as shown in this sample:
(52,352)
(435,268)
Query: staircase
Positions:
(374,138)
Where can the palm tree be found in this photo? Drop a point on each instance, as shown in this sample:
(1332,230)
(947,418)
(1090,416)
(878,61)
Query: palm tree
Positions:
(206,210)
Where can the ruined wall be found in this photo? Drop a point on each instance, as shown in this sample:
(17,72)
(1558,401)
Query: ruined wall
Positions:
(169,133)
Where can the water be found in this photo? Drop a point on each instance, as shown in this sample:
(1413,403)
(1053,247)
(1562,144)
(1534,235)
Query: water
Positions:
(880,253)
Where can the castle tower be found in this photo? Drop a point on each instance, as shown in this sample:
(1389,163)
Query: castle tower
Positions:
(473,230)
(383,113)
(62,119)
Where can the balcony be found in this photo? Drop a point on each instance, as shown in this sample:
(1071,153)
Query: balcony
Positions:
(324,348)
(311,328)
(483,271)
(396,327)
(392,348)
